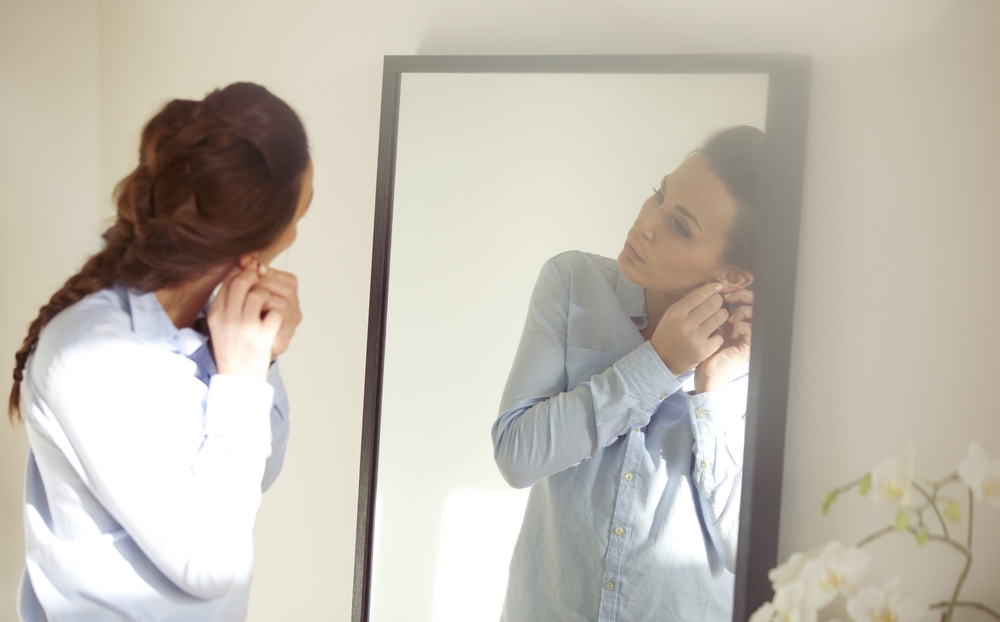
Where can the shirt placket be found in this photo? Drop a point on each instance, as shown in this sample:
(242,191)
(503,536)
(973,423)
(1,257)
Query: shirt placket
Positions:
(620,526)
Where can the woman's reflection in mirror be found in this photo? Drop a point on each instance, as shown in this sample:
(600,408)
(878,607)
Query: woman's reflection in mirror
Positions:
(155,412)
(624,409)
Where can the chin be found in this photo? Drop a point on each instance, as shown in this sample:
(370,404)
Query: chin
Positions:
(627,268)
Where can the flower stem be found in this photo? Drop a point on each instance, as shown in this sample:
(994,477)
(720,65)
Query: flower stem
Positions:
(932,501)
(875,536)
(968,567)
(966,603)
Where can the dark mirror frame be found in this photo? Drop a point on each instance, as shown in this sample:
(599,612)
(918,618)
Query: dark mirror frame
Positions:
(776,255)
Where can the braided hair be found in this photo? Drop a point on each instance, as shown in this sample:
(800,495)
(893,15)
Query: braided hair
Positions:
(217,178)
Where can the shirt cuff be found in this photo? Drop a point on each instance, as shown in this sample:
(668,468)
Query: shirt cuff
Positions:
(647,376)
(718,410)
(238,409)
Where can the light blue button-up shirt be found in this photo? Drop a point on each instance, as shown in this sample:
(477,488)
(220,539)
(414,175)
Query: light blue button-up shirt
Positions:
(146,468)
(634,506)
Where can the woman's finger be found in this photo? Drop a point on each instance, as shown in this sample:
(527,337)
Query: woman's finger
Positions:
(706,310)
(741,329)
(281,283)
(217,310)
(744,296)
(276,302)
(713,343)
(741,314)
(223,293)
(696,298)
(254,304)
(271,325)
(239,288)
(712,323)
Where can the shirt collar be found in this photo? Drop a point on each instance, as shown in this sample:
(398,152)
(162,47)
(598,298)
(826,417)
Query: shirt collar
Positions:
(633,299)
(152,323)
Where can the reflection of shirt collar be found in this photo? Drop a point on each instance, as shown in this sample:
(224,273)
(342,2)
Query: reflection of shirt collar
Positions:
(633,299)
(152,323)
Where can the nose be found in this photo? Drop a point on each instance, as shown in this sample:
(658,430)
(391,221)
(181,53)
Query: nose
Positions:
(645,224)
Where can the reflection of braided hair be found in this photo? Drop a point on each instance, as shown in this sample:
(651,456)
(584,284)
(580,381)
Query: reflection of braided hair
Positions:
(736,156)
(217,179)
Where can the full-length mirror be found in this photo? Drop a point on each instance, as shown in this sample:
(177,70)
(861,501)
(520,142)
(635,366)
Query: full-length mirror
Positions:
(532,216)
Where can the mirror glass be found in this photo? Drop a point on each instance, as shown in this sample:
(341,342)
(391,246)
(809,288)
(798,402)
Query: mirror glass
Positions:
(495,174)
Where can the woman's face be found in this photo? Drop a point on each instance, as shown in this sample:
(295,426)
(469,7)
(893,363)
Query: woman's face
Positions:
(678,240)
(305,198)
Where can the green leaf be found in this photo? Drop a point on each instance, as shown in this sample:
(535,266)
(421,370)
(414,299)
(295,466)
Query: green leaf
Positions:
(865,485)
(902,521)
(953,511)
(922,535)
(830,498)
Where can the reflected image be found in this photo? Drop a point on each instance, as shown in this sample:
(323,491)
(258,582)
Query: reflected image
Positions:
(624,409)
(571,269)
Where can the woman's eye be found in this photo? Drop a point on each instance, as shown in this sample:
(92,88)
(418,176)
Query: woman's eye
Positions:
(659,195)
(682,228)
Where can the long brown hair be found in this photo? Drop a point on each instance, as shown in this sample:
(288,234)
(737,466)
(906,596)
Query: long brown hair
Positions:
(217,179)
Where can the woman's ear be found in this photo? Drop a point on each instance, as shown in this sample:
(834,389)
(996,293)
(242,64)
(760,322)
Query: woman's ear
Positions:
(247,259)
(734,279)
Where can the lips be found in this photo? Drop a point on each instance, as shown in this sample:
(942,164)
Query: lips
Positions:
(631,251)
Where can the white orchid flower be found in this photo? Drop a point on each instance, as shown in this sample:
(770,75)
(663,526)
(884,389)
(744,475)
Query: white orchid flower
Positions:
(764,613)
(981,474)
(892,479)
(789,571)
(789,603)
(836,570)
(888,603)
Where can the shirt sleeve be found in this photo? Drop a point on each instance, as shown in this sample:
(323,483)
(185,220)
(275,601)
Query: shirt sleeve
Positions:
(543,428)
(718,426)
(180,470)
(279,428)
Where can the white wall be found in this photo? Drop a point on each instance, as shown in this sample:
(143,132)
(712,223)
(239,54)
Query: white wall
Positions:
(895,330)
(48,202)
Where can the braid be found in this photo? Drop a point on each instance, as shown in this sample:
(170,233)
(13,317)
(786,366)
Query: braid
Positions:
(98,273)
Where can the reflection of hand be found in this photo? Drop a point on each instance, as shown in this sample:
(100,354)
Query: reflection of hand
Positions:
(718,369)
(241,338)
(283,288)
(688,332)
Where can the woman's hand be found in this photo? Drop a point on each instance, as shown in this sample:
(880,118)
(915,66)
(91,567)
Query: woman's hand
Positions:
(718,369)
(687,334)
(241,338)
(284,290)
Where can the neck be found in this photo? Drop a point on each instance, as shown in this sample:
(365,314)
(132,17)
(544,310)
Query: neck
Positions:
(657,304)
(184,302)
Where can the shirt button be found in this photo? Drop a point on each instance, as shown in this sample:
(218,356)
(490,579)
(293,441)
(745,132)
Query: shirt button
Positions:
(638,429)
(663,397)
(700,414)
(609,586)
(703,464)
(619,531)
(629,476)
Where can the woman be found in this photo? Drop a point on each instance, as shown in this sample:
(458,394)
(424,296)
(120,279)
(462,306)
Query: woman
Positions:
(624,407)
(156,415)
